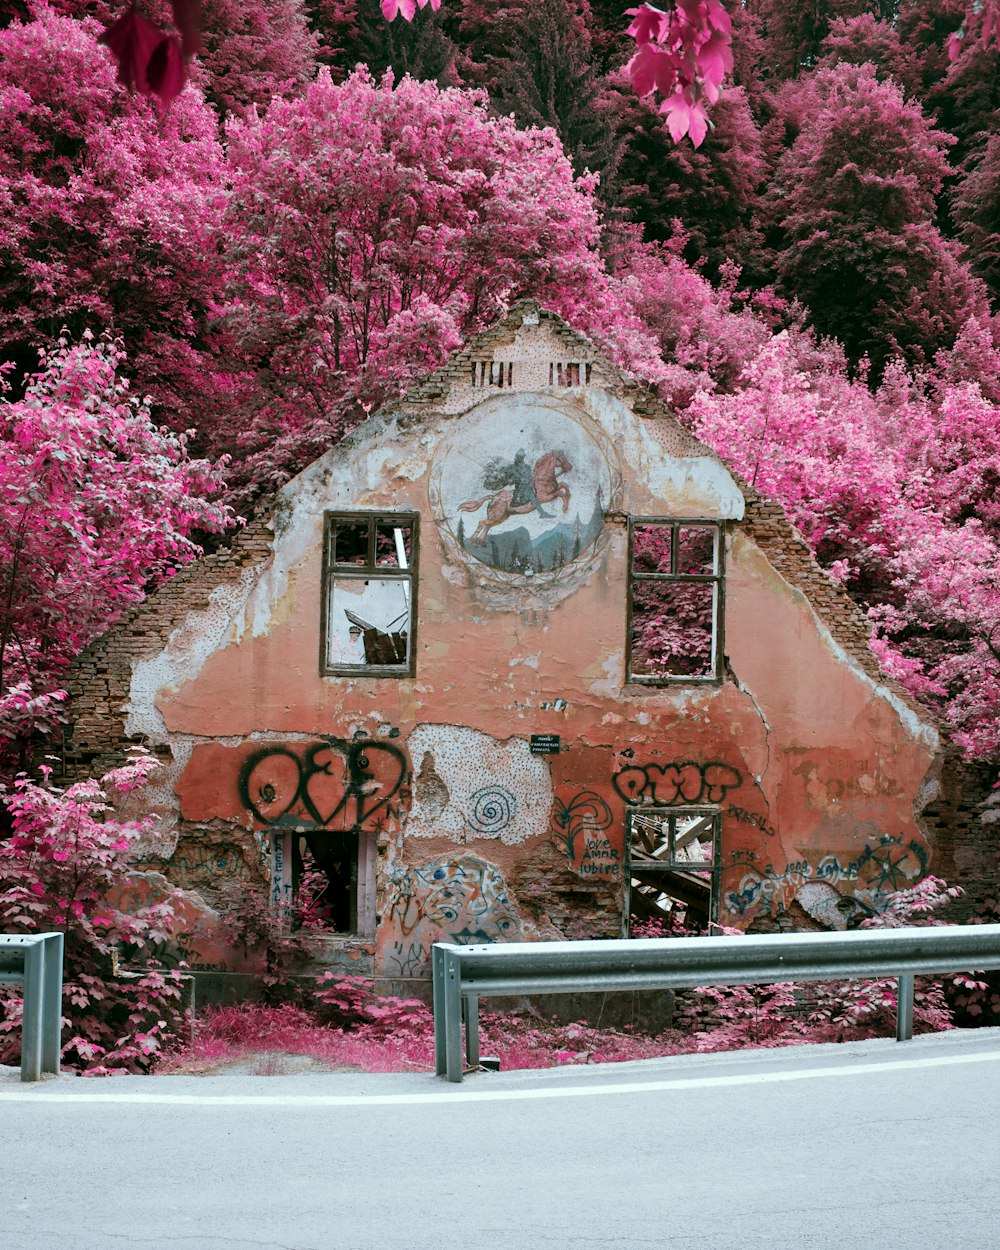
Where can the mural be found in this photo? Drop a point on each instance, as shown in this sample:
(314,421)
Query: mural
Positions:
(882,866)
(459,899)
(524,491)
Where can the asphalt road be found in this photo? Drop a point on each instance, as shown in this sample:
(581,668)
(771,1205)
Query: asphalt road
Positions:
(877,1144)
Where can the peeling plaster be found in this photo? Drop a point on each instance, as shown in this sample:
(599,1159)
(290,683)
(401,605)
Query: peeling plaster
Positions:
(747,554)
(824,755)
(698,485)
(188,646)
(476,787)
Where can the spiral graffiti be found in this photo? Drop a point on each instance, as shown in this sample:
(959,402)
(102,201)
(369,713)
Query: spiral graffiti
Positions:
(493,809)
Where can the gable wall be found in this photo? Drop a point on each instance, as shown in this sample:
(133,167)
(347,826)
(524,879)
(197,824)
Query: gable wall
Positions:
(819,771)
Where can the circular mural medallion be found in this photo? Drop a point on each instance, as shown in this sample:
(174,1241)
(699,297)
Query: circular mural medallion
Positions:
(521,487)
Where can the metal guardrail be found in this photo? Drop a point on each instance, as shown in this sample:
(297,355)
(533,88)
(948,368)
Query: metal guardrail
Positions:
(464,974)
(36,960)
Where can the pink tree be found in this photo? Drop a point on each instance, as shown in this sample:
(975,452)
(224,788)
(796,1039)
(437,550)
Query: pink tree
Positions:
(67,855)
(109,212)
(96,502)
(370,228)
(852,207)
(895,492)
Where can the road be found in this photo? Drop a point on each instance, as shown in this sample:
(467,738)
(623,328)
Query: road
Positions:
(870,1145)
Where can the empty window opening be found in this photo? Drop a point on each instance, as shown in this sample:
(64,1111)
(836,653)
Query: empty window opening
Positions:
(675,601)
(673,867)
(568,373)
(493,373)
(369,591)
(323,879)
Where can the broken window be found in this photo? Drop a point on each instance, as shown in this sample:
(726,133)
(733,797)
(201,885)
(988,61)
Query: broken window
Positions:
(324,879)
(673,866)
(675,601)
(369,591)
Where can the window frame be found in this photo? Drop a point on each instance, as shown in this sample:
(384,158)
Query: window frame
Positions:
(672,864)
(332,573)
(717,580)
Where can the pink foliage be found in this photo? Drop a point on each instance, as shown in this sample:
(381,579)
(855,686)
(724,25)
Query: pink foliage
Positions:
(68,854)
(96,502)
(895,492)
(851,207)
(684,54)
(371,228)
(151,61)
(109,212)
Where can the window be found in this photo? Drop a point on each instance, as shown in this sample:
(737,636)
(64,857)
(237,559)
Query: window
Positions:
(675,601)
(330,872)
(673,865)
(369,587)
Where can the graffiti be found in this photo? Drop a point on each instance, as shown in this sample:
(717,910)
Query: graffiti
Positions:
(493,808)
(281,876)
(883,868)
(585,813)
(405,961)
(879,869)
(600,859)
(774,891)
(461,900)
(743,857)
(679,782)
(330,784)
(751,818)
(469,785)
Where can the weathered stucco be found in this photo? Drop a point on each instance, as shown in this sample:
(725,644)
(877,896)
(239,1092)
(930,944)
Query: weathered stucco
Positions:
(816,768)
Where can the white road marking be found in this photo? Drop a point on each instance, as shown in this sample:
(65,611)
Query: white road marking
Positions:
(463,1094)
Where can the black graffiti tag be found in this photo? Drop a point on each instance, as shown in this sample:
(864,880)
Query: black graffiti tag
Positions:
(334,784)
(585,811)
(678,782)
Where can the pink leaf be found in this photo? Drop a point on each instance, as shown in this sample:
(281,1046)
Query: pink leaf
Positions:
(187,18)
(652,69)
(685,118)
(405,9)
(715,59)
(647,24)
(133,42)
(167,70)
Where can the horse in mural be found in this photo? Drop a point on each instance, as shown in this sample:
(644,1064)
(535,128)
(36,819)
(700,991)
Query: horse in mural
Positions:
(517,489)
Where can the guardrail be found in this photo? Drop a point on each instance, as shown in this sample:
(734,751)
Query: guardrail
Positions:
(36,959)
(464,974)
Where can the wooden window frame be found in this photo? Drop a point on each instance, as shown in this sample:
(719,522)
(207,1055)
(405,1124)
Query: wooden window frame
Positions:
(670,865)
(332,573)
(715,579)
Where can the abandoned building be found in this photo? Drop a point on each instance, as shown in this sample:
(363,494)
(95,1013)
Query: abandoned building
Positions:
(519,658)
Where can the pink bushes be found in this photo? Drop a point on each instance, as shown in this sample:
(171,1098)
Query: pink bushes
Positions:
(343,1024)
(95,502)
(66,859)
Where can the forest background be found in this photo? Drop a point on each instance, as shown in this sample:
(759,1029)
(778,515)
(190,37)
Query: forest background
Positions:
(211,294)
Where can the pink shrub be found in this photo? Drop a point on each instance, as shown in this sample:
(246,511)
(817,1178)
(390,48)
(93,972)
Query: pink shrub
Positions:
(68,854)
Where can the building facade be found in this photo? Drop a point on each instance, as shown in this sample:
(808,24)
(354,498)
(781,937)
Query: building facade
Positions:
(519,658)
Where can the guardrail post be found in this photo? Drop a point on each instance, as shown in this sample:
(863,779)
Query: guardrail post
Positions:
(437,986)
(904,1007)
(452,995)
(52,1003)
(471,1003)
(33,1003)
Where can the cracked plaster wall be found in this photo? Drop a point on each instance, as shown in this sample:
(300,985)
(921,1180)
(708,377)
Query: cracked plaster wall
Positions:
(814,765)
